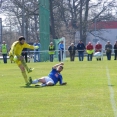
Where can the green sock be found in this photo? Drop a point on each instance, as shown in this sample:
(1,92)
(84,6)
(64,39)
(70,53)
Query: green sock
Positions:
(25,76)
(25,65)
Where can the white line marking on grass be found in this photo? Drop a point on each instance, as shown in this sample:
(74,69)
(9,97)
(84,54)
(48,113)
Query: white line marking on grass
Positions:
(112,100)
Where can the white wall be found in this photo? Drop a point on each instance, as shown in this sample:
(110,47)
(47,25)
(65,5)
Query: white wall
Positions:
(108,34)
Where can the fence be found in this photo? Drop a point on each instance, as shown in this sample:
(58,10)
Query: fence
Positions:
(44,57)
(66,55)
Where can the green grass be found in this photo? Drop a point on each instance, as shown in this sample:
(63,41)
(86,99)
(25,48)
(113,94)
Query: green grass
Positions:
(87,93)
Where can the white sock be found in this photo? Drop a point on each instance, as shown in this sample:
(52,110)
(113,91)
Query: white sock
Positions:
(35,81)
(43,85)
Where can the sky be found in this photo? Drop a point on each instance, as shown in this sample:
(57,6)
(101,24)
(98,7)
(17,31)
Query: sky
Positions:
(2,16)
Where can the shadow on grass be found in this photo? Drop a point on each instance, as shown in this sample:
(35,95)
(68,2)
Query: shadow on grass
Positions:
(30,87)
(110,85)
(41,86)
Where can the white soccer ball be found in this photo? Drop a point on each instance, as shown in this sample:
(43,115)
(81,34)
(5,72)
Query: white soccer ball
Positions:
(98,54)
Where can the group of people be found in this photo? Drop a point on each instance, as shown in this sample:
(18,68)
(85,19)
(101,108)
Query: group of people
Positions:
(37,58)
(81,48)
(90,50)
(4,50)
(51,51)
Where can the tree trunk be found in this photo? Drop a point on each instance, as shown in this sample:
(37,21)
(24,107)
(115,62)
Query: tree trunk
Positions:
(52,28)
(81,4)
(85,22)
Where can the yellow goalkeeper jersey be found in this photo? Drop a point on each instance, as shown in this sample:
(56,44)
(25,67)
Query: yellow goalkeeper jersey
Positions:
(16,48)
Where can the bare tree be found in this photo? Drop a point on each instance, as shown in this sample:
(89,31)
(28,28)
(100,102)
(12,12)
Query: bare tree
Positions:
(23,15)
(52,26)
(66,16)
(80,14)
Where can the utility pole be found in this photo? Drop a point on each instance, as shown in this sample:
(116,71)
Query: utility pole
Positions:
(0,25)
(81,4)
(0,30)
(95,30)
(0,3)
(95,22)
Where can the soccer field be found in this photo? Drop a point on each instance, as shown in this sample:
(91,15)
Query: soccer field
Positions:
(91,91)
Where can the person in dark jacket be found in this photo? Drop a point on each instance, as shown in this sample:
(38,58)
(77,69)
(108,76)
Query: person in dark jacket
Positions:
(108,48)
(81,49)
(72,51)
(24,54)
(115,50)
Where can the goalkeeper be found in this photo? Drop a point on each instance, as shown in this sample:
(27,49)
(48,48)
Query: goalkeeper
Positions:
(15,55)
(52,79)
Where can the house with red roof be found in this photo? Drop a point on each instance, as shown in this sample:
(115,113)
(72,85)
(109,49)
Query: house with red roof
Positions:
(101,31)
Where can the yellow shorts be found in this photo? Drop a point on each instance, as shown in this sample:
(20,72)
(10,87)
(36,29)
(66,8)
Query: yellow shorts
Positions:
(18,62)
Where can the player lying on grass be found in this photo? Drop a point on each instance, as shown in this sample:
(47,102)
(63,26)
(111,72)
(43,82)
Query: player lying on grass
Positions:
(52,79)
(15,55)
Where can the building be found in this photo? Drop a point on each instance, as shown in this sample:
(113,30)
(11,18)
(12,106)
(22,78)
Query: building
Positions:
(101,31)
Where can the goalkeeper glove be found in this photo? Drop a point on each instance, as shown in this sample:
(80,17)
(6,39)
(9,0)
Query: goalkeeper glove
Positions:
(36,47)
(18,58)
(15,58)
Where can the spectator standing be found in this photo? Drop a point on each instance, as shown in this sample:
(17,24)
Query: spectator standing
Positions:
(98,48)
(61,51)
(51,51)
(81,49)
(24,54)
(4,50)
(37,51)
(115,50)
(72,51)
(108,49)
(90,50)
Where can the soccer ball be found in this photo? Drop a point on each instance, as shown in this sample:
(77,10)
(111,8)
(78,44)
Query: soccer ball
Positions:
(98,54)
